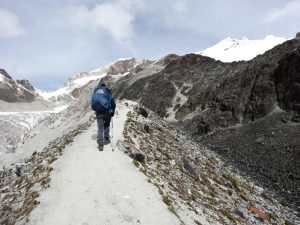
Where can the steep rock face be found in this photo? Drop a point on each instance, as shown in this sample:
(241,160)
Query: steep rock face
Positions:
(195,88)
(15,91)
(287,81)
(4,73)
(26,84)
(121,66)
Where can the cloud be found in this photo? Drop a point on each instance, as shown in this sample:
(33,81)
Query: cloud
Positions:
(180,6)
(9,25)
(116,18)
(290,10)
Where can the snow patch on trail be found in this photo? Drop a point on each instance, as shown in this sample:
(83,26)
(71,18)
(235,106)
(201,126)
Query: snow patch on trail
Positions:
(92,187)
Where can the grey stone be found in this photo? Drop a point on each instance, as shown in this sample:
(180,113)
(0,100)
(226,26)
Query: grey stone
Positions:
(146,128)
(143,112)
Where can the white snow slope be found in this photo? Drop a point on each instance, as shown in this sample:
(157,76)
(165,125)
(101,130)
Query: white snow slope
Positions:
(92,187)
(83,78)
(229,49)
(15,126)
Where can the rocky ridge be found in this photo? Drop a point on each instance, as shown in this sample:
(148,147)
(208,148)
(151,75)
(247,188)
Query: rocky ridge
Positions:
(205,95)
(71,89)
(15,91)
(191,177)
(202,95)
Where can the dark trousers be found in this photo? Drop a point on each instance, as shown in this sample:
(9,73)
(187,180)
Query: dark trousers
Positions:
(103,121)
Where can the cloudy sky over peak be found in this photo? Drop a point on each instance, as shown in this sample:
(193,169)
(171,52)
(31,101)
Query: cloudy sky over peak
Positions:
(47,41)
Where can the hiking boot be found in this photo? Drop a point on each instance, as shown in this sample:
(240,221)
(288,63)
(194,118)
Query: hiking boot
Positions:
(100,147)
(106,140)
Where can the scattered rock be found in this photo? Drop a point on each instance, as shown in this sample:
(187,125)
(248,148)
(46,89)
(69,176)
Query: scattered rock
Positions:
(143,112)
(76,92)
(18,171)
(296,118)
(188,167)
(146,128)
(261,215)
(284,120)
(139,157)
(240,214)
(202,127)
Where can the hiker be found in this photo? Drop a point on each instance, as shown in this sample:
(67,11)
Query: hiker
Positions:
(104,105)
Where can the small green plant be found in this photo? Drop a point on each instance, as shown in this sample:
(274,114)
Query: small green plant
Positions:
(197,222)
(286,222)
(52,160)
(243,196)
(234,182)
(167,200)
(136,163)
(229,215)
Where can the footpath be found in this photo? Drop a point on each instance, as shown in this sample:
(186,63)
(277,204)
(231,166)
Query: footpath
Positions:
(89,187)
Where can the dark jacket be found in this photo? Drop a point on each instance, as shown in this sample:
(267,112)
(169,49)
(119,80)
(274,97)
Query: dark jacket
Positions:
(112,102)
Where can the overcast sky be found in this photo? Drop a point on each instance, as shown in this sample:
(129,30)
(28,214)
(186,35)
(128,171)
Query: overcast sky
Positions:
(47,41)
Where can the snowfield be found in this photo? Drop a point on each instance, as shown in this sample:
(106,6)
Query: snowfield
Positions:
(92,187)
(229,49)
(16,126)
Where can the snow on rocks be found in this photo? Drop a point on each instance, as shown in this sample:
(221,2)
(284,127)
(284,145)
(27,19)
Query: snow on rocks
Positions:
(119,68)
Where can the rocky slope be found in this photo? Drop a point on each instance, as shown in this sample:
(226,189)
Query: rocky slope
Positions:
(203,95)
(247,112)
(15,91)
(195,184)
(191,177)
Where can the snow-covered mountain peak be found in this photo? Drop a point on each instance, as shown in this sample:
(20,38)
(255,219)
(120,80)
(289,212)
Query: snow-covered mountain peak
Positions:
(120,67)
(15,90)
(237,49)
(3,73)
(2,78)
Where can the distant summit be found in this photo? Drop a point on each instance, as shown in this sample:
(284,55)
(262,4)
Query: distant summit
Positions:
(230,49)
(15,91)
(71,88)
(4,73)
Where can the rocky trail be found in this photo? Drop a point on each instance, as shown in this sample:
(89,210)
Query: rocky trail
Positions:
(155,175)
(92,187)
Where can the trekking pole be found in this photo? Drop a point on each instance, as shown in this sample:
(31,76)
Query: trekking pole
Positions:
(112,134)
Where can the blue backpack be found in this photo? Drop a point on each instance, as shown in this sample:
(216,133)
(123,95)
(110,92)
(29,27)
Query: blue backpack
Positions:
(101,100)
